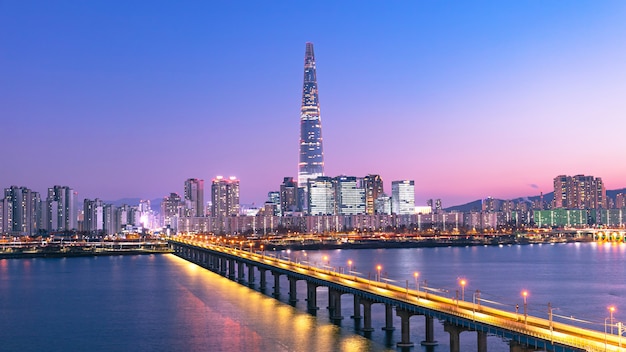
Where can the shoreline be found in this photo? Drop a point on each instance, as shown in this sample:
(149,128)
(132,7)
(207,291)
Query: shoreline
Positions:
(77,251)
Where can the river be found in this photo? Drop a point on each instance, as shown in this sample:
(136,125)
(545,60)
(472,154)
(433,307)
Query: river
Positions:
(163,303)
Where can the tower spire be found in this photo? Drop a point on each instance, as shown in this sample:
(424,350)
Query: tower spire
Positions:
(311,162)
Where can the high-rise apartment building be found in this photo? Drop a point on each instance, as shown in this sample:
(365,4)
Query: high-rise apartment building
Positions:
(21,210)
(194,197)
(225,197)
(620,201)
(349,196)
(289,196)
(579,192)
(93,218)
(403,197)
(373,185)
(311,163)
(170,210)
(59,211)
(321,196)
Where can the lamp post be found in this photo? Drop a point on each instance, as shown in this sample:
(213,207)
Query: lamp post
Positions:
(416,275)
(611,310)
(378,268)
(463,283)
(262,251)
(349,266)
(525,295)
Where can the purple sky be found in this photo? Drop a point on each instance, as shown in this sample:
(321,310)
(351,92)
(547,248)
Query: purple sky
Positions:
(469,99)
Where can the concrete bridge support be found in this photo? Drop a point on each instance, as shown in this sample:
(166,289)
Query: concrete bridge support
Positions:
(276,284)
(367,315)
(240,273)
(455,335)
(405,331)
(250,275)
(357,308)
(334,304)
(311,297)
(263,277)
(292,290)
(430,332)
(222,266)
(515,346)
(388,318)
(482,341)
(231,269)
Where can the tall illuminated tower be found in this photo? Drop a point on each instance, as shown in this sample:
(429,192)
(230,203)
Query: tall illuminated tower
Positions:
(311,163)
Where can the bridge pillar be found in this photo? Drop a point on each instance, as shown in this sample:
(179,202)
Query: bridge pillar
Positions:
(482,341)
(276,284)
(405,340)
(223,266)
(430,332)
(292,289)
(367,315)
(250,275)
(263,283)
(388,318)
(357,308)
(231,269)
(311,297)
(515,346)
(334,303)
(240,273)
(455,335)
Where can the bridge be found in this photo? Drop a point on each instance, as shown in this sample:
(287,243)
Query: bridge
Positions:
(523,331)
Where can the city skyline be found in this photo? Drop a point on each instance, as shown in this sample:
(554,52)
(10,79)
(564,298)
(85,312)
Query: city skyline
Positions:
(469,101)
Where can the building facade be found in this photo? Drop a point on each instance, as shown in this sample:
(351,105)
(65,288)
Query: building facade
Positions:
(403,197)
(194,197)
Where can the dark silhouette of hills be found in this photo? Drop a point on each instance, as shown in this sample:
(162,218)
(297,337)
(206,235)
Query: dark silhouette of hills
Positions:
(547,198)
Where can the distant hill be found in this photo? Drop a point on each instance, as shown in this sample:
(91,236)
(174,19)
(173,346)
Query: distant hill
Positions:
(547,198)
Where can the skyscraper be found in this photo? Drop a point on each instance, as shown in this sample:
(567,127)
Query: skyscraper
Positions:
(373,185)
(194,197)
(311,163)
(403,197)
(225,197)
(60,209)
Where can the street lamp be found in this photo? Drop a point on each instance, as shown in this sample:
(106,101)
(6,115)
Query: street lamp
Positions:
(611,310)
(416,275)
(378,268)
(349,266)
(525,295)
(262,251)
(463,283)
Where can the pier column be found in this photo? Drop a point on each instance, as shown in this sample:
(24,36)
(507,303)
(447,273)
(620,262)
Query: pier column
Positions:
(311,297)
(455,336)
(482,341)
(357,308)
(388,318)
(231,269)
(240,271)
(367,315)
(515,346)
(223,266)
(430,333)
(292,290)
(263,283)
(276,284)
(250,275)
(334,303)
(405,339)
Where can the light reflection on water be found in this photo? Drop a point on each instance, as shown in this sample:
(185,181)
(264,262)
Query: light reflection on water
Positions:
(163,303)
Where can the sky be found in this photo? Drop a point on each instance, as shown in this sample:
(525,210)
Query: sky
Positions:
(468,98)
